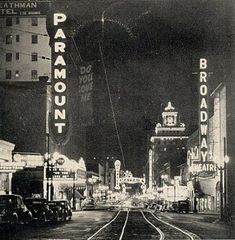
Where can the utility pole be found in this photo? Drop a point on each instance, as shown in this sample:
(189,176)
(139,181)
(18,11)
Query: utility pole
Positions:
(150,170)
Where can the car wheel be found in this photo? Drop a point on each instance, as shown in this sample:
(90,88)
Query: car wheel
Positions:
(43,219)
(57,217)
(14,219)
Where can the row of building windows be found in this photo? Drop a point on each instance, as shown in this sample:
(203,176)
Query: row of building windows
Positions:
(34,74)
(9,21)
(9,56)
(9,39)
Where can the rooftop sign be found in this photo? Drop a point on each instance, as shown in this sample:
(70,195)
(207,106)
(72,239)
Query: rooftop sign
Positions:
(23,8)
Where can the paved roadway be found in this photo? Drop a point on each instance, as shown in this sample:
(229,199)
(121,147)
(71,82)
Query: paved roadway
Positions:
(139,225)
(105,225)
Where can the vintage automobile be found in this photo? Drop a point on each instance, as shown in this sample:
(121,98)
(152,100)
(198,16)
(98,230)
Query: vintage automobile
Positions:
(88,204)
(180,206)
(61,210)
(39,209)
(183,206)
(13,210)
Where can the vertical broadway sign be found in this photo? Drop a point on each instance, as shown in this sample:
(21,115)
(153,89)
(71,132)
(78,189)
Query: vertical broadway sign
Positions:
(59,119)
(203,118)
(203,164)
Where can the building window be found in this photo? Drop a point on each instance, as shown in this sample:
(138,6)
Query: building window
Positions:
(8,74)
(17,56)
(8,39)
(17,20)
(34,39)
(34,74)
(17,38)
(17,73)
(8,21)
(34,21)
(34,57)
(8,57)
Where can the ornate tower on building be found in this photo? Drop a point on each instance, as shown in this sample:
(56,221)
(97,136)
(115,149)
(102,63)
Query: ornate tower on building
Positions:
(171,125)
(168,146)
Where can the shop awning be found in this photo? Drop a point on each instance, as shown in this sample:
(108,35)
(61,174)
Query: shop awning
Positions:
(78,195)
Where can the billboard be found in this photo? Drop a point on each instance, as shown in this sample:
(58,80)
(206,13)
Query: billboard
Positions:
(85,91)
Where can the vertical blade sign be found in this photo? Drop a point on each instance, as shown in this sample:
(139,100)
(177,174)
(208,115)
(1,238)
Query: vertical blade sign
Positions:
(59,119)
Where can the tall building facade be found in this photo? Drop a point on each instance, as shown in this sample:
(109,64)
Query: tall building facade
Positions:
(25,51)
(168,146)
(208,191)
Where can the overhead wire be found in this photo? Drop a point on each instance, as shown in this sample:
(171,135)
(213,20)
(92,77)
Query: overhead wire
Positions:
(25,53)
(26,31)
(111,104)
(76,48)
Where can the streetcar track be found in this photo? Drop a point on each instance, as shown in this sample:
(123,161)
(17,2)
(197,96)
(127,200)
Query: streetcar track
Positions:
(107,224)
(124,226)
(189,235)
(177,228)
(162,236)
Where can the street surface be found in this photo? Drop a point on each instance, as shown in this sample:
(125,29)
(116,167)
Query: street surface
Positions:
(126,224)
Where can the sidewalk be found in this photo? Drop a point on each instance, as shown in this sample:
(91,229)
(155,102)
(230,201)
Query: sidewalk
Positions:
(205,225)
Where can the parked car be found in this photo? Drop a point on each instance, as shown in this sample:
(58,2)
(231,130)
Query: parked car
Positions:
(88,204)
(180,206)
(61,210)
(183,206)
(39,209)
(13,210)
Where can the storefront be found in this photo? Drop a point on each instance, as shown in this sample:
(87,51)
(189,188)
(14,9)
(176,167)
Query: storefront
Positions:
(7,166)
(68,178)
(69,181)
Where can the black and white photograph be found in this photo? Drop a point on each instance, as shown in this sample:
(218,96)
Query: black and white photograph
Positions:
(117,119)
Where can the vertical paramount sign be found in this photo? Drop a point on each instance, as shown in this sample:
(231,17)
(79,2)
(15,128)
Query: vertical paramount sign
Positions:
(59,119)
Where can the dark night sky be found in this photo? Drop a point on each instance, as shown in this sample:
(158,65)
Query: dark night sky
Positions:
(150,50)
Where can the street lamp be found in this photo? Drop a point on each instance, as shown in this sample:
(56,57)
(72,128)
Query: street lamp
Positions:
(174,193)
(74,197)
(195,187)
(49,176)
(226,160)
(90,180)
(223,192)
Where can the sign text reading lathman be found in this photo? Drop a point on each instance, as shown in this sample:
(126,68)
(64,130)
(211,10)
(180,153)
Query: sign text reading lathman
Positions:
(23,8)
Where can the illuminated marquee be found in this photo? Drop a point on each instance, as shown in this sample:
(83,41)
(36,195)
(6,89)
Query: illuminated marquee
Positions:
(117,165)
(59,119)
(131,180)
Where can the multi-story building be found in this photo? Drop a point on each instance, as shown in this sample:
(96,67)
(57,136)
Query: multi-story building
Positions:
(168,147)
(25,51)
(204,187)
